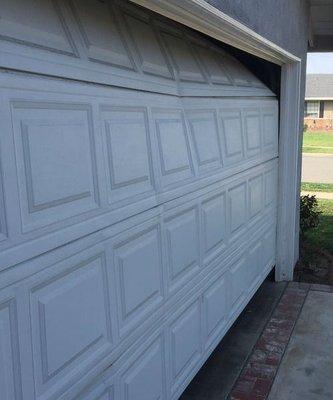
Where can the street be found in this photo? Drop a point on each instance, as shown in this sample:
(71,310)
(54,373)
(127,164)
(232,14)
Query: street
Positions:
(317,168)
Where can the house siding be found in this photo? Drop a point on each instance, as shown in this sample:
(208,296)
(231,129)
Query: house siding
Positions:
(328,109)
(325,121)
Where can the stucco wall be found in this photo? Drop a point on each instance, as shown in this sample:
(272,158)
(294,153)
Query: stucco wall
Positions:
(284,22)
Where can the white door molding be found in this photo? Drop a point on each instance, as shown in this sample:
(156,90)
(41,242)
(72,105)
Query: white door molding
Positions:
(200,15)
(289,171)
(203,17)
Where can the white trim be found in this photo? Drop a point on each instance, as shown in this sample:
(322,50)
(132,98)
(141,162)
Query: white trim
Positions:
(203,17)
(289,160)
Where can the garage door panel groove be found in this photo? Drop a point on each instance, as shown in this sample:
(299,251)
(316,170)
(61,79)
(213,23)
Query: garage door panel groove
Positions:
(270,179)
(270,175)
(3,219)
(103,234)
(264,217)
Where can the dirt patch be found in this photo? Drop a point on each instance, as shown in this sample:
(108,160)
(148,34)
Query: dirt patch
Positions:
(315,265)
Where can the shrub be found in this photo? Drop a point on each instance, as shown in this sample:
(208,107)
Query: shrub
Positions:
(309,213)
(305,127)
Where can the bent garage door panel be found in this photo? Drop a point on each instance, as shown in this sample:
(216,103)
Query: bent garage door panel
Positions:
(135,225)
(80,157)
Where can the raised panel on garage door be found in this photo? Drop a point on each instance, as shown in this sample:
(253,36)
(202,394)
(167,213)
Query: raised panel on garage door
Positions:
(173,145)
(70,316)
(204,133)
(138,199)
(152,57)
(185,345)
(104,41)
(215,304)
(182,246)
(56,165)
(144,378)
(39,23)
(139,270)
(128,152)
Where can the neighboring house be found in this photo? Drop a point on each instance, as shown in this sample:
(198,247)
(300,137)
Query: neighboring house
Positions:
(318,109)
(149,182)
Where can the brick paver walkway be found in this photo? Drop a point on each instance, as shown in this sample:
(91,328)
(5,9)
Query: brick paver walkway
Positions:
(256,379)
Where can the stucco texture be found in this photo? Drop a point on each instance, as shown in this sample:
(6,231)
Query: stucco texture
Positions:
(284,22)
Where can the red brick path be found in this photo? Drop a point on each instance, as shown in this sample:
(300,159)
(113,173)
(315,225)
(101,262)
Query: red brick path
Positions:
(256,379)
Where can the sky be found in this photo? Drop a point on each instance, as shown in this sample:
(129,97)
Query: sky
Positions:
(320,63)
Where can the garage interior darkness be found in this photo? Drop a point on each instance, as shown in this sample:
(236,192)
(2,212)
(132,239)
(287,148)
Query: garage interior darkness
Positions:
(139,167)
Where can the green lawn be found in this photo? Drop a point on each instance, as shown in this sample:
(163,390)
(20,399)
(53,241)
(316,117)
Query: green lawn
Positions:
(322,236)
(317,187)
(318,142)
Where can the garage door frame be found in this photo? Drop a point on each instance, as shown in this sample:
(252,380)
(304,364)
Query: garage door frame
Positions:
(203,17)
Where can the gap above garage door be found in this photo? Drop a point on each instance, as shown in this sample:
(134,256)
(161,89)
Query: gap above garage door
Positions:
(138,199)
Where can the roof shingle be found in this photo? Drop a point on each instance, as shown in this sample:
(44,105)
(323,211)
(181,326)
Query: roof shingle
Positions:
(319,86)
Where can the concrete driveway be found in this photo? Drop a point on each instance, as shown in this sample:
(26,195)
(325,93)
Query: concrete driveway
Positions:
(306,371)
(317,168)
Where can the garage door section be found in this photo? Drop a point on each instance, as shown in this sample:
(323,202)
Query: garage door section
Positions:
(138,199)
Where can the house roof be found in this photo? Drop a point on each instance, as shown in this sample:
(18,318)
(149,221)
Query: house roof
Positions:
(319,86)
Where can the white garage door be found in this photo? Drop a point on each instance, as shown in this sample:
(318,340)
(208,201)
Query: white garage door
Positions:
(138,200)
